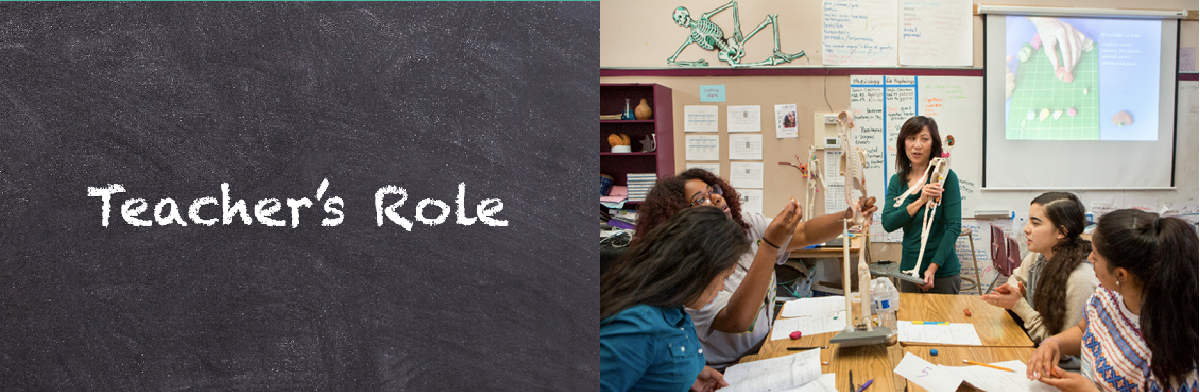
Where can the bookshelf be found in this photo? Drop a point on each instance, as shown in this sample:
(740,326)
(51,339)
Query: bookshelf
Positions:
(662,160)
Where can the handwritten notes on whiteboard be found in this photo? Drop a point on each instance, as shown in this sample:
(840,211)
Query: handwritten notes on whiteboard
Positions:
(859,32)
(935,32)
(880,104)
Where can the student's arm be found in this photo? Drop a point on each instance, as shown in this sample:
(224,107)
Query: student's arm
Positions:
(952,207)
(1044,360)
(895,217)
(818,230)
(738,315)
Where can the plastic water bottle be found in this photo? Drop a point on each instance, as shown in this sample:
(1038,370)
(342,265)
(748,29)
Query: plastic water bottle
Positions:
(886,303)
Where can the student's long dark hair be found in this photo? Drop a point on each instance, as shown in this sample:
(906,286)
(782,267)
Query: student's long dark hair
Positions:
(912,127)
(673,264)
(1065,212)
(1162,253)
(668,198)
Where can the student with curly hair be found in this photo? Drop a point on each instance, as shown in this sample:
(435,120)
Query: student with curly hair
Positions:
(740,317)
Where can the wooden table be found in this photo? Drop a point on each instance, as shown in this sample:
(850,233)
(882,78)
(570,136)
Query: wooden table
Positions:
(954,356)
(868,362)
(995,327)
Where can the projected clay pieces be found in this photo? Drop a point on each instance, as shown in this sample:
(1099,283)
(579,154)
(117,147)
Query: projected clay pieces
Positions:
(1085,91)
(1045,113)
(1058,114)
(1071,112)
(1036,41)
(1122,118)
(1025,52)
(1031,115)
(1008,59)
(1062,74)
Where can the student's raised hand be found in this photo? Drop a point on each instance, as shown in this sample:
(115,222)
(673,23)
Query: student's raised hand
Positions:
(781,228)
(709,380)
(1068,382)
(1070,42)
(867,205)
(1044,360)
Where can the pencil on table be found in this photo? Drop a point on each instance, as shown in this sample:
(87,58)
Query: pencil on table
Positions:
(967,361)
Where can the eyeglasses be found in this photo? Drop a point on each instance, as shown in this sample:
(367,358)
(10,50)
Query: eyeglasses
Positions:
(706,198)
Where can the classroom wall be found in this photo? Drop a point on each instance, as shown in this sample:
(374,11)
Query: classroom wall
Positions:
(641,34)
(638,34)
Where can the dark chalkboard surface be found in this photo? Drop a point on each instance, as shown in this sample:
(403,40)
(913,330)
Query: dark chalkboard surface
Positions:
(172,100)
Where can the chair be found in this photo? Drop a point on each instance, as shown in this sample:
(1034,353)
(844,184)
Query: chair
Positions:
(1006,255)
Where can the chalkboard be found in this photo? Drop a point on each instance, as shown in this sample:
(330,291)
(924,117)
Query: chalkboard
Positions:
(172,100)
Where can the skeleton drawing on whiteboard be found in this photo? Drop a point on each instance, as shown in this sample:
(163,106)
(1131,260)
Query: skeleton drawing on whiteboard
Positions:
(709,36)
(938,168)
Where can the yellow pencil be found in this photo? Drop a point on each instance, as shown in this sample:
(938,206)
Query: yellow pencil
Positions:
(967,361)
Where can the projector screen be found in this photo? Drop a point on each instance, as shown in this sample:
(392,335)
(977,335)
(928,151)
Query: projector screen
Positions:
(1079,103)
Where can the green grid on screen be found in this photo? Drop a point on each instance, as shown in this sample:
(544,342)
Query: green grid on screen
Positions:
(1038,88)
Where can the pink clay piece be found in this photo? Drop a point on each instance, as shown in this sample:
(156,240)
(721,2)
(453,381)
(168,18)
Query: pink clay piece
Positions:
(795,335)
(1071,112)
(1036,42)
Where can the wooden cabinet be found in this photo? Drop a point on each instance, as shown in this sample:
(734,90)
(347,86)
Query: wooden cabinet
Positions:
(662,160)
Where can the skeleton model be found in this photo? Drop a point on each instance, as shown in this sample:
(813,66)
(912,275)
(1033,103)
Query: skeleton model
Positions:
(709,36)
(938,167)
(854,157)
(812,174)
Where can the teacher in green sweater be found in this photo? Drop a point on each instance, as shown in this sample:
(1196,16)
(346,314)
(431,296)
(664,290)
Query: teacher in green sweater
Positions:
(917,143)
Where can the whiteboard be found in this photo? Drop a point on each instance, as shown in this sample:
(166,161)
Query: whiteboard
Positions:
(881,104)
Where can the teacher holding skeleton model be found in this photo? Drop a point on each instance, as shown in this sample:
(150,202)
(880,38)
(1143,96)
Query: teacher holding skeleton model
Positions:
(923,199)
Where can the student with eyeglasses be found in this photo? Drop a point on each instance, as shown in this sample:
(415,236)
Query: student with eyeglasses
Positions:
(740,316)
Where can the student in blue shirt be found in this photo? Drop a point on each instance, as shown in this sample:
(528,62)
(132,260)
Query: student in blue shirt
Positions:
(647,341)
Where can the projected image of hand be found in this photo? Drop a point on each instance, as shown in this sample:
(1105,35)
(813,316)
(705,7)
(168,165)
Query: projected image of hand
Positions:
(1056,35)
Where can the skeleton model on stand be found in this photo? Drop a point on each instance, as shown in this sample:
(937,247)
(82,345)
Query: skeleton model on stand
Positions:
(853,158)
(937,167)
(811,172)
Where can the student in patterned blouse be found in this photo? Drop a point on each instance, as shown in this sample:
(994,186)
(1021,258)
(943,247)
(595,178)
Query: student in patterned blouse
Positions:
(1139,328)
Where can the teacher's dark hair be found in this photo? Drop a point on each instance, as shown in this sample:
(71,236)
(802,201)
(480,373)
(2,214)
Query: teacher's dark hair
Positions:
(912,127)
(673,264)
(1065,212)
(668,198)
(1162,253)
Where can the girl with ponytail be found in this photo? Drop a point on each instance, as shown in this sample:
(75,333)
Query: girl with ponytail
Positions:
(1050,288)
(1139,328)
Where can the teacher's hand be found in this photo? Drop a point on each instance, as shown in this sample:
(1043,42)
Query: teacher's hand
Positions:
(931,191)
(929,272)
(709,380)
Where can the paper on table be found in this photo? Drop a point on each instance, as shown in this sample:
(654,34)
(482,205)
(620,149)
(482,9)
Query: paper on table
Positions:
(821,323)
(825,383)
(932,377)
(700,118)
(743,119)
(996,380)
(747,147)
(752,200)
(703,147)
(746,174)
(775,374)
(813,306)
(957,334)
